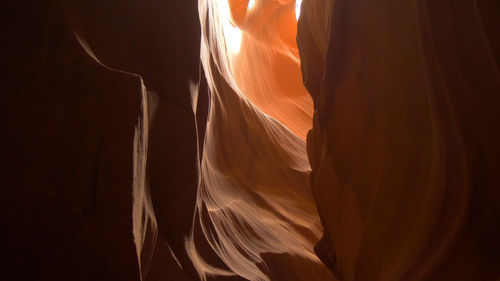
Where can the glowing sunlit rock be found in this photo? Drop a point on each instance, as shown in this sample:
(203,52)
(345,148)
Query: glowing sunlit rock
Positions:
(259,116)
(232,34)
(297,8)
(251,3)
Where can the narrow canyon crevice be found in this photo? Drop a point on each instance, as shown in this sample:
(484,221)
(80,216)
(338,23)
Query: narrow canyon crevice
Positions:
(272,140)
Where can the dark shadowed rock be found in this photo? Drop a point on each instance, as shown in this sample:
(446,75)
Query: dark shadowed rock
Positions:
(405,138)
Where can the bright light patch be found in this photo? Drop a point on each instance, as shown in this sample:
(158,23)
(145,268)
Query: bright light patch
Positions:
(251,3)
(297,8)
(232,34)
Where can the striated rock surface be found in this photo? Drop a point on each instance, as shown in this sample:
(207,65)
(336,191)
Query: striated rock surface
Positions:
(404,148)
(165,140)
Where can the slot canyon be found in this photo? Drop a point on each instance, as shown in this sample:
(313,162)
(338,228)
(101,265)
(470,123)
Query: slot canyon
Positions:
(261,140)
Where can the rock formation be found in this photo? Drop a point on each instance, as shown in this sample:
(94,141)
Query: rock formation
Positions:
(404,143)
(251,140)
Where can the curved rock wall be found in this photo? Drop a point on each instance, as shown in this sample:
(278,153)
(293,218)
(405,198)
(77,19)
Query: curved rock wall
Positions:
(141,141)
(403,145)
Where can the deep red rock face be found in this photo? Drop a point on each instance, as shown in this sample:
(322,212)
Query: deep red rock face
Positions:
(403,143)
(199,140)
